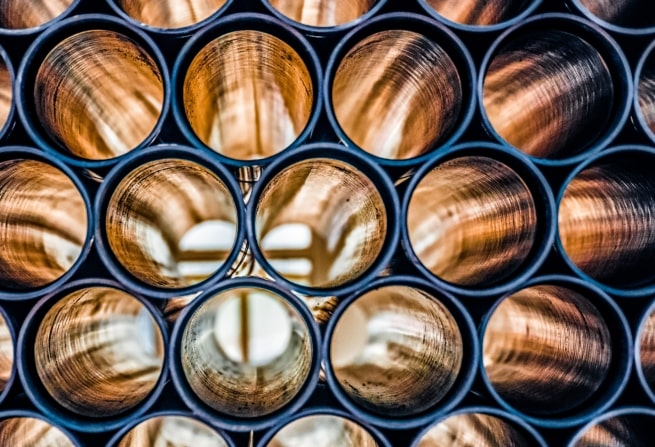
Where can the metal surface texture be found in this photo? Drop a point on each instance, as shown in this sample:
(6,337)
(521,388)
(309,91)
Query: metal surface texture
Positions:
(17,15)
(170,14)
(29,431)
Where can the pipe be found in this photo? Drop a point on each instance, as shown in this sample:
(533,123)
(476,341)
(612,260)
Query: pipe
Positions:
(644,98)
(556,352)
(170,221)
(7,107)
(45,221)
(480,15)
(479,218)
(399,352)
(19,17)
(480,427)
(247,87)
(555,87)
(245,353)
(91,356)
(7,354)
(626,426)
(20,428)
(93,88)
(399,86)
(629,17)
(645,351)
(322,220)
(605,209)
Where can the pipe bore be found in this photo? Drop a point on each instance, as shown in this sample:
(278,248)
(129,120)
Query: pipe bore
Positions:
(171,223)
(472,221)
(627,427)
(478,12)
(322,430)
(549,93)
(397,94)
(6,92)
(17,14)
(170,14)
(623,13)
(98,352)
(646,351)
(31,432)
(172,431)
(43,224)
(396,351)
(6,353)
(246,352)
(646,90)
(98,94)
(547,350)
(247,95)
(323,13)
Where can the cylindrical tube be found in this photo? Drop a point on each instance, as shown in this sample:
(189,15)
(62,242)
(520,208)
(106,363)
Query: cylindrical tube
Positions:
(555,87)
(644,98)
(7,100)
(20,18)
(479,427)
(626,426)
(92,355)
(479,219)
(557,352)
(322,219)
(605,217)
(645,351)
(400,352)
(244,353)
(45,223)
(92,89)
(19,428)
(480,15)
(247,87)
(7,354)
(398,86)
(322,427)
(631,17)
(169,221)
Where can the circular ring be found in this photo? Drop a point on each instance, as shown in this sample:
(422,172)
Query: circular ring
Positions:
(617,8)
(32,428)
(31,19)
(622,428)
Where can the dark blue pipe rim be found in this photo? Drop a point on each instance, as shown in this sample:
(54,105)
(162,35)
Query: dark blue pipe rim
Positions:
(611,53)
(324,411)
(9,414)
(11,325)
(37,393)
(458,390)
(541,194)
(526,11)
(620,369)
(243,22)
(10,123)
(490,411)
(358,161)
(225,421)
(630,31)
(116,439)
(430,28)
(618,412)
(133,161)
(325,31)
(23,152)
(20,32)
(38,50)
(643,320)
(622,292)
(647,56)
(176,32)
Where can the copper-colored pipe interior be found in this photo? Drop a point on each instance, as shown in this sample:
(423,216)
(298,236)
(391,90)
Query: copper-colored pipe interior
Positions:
(6,353)
(549,93)
(647,351)
(246,352)
(633,430)
(31,432)
(172,431)
(478,12)
(99,352)
(396,351)
(248,94)
(397,94)
(171,223)
(628,13)
(323,13)
(6,93)
(472,221)
(43,224)
(321,222)
(646,92)
(546,349)
(98,94)
(170,14)
(322,431)
(475,430)
(19,14)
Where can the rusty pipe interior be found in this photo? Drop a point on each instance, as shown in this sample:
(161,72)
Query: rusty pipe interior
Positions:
(647,350)
(549,93)
(396,351)
(397,94)
(605,220)
(98,94)
(246,352)
(475,429)
(322,430)
(6,353)
(99,352)
(248,95)
(172,431)
(320,222)
(170,14)
(546,350)
(472,221)
(18,14)
(478,12)
(171,223)
(625,13)
(323,13)
(32,432)
(43,224)
(632,429)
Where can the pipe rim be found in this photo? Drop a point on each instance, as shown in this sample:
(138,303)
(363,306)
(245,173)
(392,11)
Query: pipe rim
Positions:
(639,114)
(626,30)
(10,123)
(643,320)
(20,32)
(23,413)
(13,378)
(621,411)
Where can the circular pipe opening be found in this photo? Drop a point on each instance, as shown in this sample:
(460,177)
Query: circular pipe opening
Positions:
(645,352)
(622,15)
(171,430)
(645,96)
(43,224)
(6,93)
(323,13)
(322,430)
(479,12)
(20,15)
(6,354)
(98,352)
(170,14)
(624,427)
(171,222)
(23,431)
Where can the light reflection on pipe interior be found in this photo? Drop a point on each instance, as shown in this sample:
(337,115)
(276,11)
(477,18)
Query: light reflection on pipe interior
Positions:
(633,430)
(18,14)
(478,12)
(322,431)
(323,13)
(172,431)
(170,14)
(475,429)
(31,432)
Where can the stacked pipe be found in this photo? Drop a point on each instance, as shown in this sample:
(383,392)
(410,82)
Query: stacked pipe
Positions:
(287,223)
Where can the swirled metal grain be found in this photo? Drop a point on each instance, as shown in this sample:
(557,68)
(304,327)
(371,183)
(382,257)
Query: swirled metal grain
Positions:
(6,353)
(31,432)
(478,12)
(647,350)
(322,431)
(170,14)
(6,93)
(626,13)
(172,431)
(18,14)
(627,430)
(475,429)
(323,13)
(646,93)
